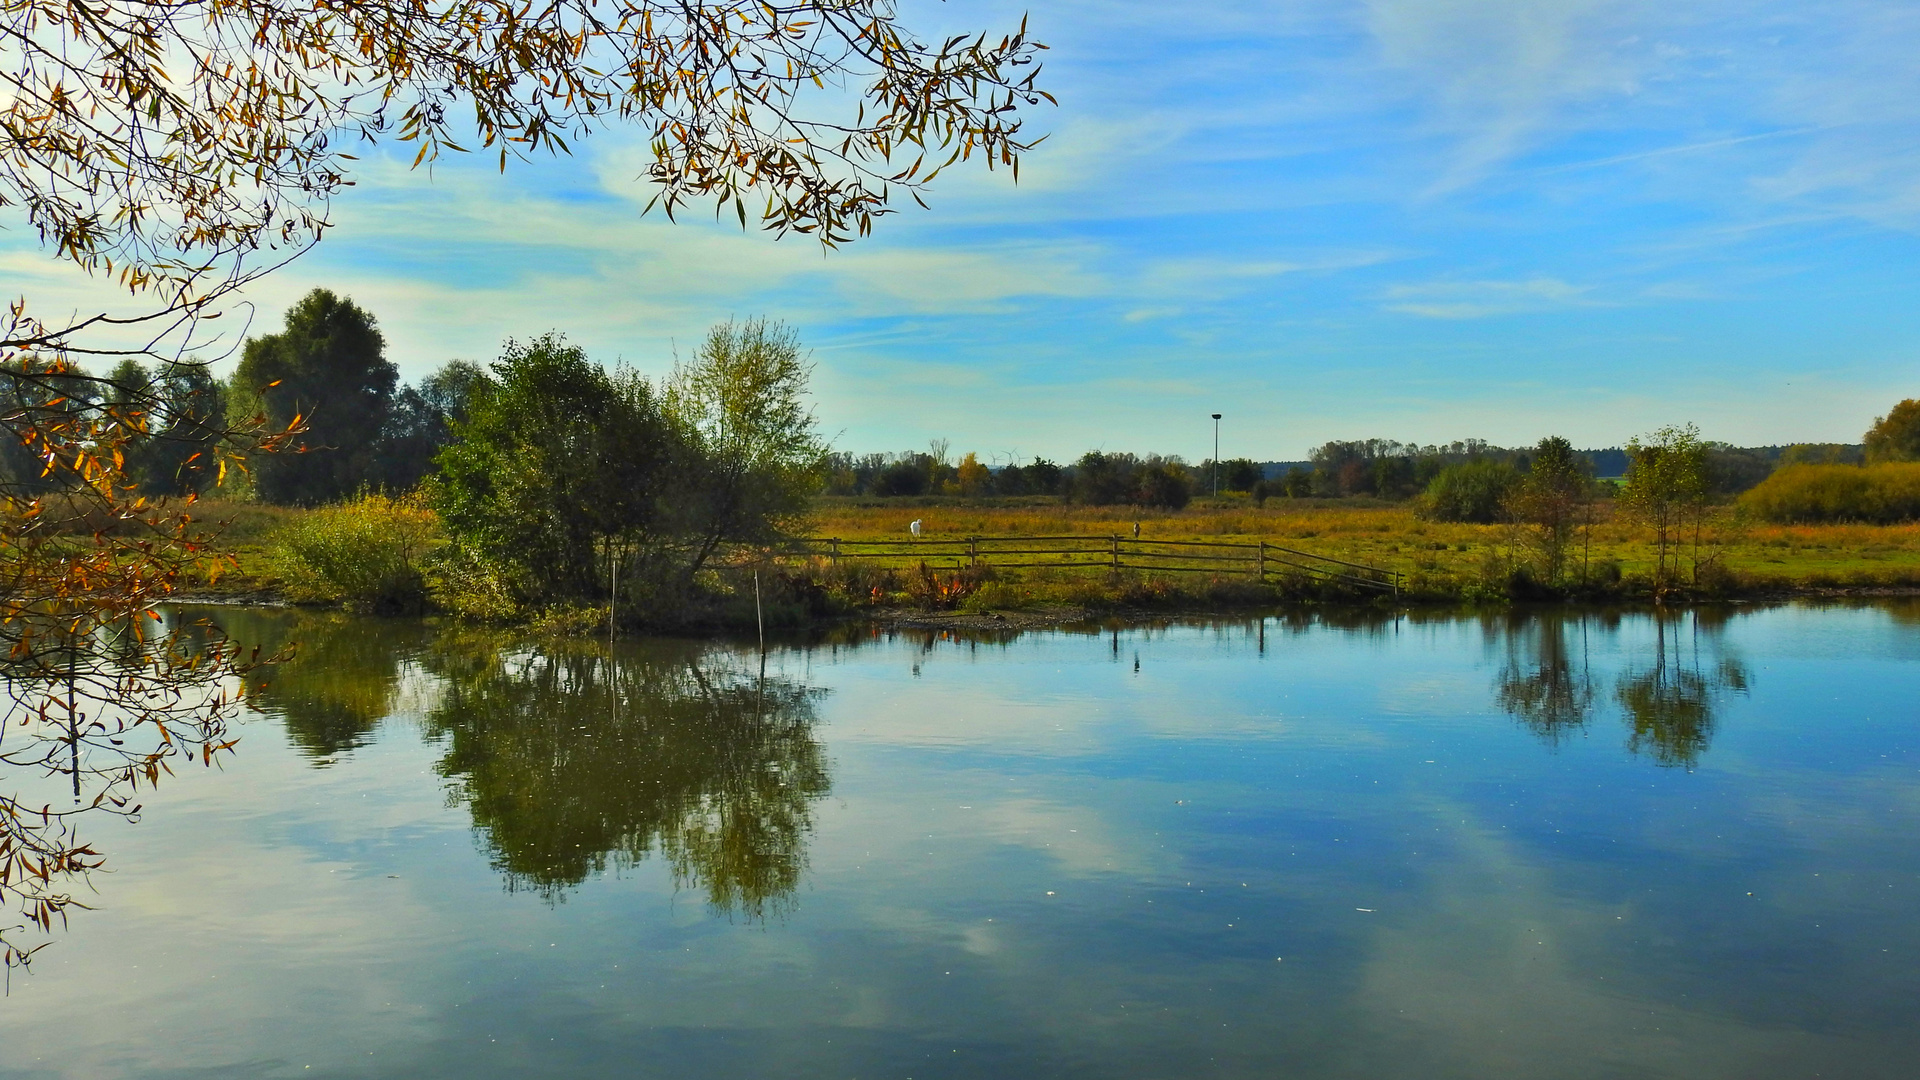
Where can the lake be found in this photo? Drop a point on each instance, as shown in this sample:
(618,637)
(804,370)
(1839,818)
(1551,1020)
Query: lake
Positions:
(1546,844)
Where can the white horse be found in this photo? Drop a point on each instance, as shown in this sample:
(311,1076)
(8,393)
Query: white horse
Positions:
(914,528)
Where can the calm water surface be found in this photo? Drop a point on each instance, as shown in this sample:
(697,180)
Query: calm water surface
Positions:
(1514,846)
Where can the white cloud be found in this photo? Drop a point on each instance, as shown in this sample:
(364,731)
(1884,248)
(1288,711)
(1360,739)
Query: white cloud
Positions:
(1479,299)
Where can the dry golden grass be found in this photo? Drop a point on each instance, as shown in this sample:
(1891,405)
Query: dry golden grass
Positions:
(1390,536)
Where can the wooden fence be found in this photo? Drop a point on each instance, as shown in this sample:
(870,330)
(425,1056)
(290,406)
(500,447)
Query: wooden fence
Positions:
(1256,560)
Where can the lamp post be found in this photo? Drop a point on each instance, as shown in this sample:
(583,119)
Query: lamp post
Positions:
(1216,455)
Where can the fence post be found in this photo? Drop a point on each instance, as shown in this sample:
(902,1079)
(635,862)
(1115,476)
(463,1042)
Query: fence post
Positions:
(973,551)
(1116,551)
(833,554)
(1262,572)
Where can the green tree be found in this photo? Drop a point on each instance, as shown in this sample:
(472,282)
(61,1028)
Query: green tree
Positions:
(1236,474)
(328,371)
(1666,489)
(420,424)
(189,423)
(1163,483)
(751,457)
(1548,502)
(1820,454)
(556,470)
(1895,436)
(1473,491)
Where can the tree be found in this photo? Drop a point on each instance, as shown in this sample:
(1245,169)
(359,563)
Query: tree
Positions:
(179,454)
(1473,491)
(1666,488)
(556,459)
(974,478)
(1895,436)
(907,476)
(1236,474)
(327,372)
(1547,501)
(1163,483)
(420,423)
(1102,479)
(751,455)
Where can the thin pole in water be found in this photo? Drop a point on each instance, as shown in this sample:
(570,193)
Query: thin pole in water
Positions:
(613,596)
(759,619)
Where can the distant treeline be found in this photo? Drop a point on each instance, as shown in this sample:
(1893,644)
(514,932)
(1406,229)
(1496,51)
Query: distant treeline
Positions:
(1379,468)
(1393,470)
(1097,478)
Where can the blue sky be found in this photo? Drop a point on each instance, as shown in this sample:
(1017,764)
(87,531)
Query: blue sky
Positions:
(1417,219)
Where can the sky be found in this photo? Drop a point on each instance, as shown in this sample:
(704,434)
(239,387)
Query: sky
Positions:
(1326,219)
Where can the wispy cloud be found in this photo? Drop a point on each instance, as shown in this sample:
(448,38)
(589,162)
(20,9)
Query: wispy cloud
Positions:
(1480,299)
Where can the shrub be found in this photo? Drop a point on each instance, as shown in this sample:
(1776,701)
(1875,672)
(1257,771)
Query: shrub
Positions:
(901,478)
(1163,484)
(935,591)
(365,553)
(464,582)
(1876,494)
(1471,491)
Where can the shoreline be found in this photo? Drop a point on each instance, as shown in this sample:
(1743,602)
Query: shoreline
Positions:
(1053,616)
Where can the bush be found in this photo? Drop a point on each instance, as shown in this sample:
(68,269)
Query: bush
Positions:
(1472,491)
(466,583)
(1163,484)
(1876,494)
(1107,479)
(365,553)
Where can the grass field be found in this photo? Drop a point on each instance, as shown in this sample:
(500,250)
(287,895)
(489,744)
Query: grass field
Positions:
(1440,562)
(1759,555)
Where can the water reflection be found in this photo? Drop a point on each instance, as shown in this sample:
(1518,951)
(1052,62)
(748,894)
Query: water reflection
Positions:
(573,761)
(344,680)
(1669,705)
(1668,701)
(1546,682)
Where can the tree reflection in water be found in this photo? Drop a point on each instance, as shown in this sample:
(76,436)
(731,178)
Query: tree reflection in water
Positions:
(344,677)
(572,761)
(1548,684)
(1670,706)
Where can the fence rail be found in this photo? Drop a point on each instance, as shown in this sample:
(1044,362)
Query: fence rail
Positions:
(1259,560)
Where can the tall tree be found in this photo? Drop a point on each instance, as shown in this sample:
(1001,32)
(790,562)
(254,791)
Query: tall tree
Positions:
(1895,436)
(751,454)
(328,371)
(1666,489)
(178,456)
(420,424)
(1547,501)
(556,459)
